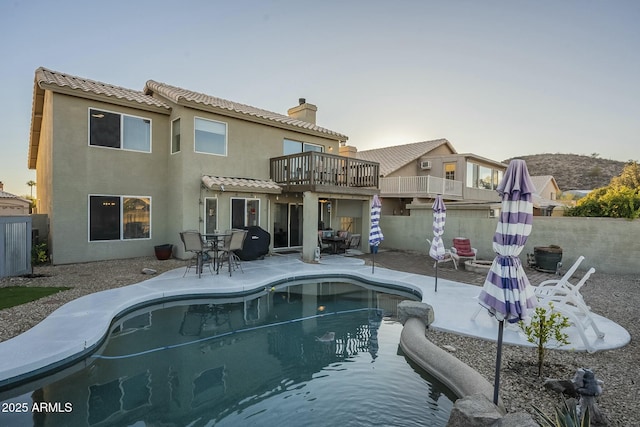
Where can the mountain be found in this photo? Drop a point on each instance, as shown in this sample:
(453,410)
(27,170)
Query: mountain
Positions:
(573,171)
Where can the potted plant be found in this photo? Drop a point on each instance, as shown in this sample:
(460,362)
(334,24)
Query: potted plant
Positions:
(163,252)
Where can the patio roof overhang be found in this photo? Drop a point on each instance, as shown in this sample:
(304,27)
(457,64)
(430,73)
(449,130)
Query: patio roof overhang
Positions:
(246,185)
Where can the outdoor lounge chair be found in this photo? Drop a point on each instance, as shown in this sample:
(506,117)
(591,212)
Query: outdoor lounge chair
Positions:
(563,286)
(193,243)
(462,249)
(567,300)
(448,257)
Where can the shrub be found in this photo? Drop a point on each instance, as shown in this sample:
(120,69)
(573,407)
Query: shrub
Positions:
(39,254)
(544,326)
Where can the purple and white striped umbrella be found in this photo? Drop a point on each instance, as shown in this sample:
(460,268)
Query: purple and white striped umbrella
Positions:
(375,235)
(437,251)
(506,292)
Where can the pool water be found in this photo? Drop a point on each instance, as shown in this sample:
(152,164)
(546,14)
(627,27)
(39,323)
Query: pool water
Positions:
(308,354)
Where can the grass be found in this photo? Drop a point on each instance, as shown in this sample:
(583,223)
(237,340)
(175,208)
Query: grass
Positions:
(16,295)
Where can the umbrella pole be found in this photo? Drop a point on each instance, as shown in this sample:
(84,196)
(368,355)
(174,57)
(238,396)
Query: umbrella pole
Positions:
(373,263)
(496,385)
(436,275)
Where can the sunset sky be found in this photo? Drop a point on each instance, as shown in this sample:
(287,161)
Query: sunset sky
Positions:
(496,78)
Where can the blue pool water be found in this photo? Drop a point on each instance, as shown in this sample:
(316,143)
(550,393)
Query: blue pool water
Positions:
(307,354)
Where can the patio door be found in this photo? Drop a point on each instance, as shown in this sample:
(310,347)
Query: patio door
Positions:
(287,225)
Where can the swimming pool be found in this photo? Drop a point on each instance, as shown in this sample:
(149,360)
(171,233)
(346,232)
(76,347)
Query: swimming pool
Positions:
(308,353)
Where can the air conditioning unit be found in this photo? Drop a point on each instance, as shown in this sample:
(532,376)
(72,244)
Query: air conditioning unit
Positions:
(425,164)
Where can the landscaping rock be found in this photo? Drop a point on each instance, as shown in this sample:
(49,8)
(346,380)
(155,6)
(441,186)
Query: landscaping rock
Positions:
(148,271)
(474,411)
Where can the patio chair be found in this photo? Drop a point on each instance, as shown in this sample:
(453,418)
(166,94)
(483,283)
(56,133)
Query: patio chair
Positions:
(324,247)
(227,253)
(462,249)
(354,242)
(448,257)
(193,243)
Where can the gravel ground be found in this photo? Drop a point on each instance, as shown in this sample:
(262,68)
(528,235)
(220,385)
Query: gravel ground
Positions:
(614,296)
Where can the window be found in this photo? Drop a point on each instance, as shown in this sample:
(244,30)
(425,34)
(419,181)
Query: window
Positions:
(115,130)
(210,137)
(245,212)
(210,214)
(450,171)
(482,177)
(293,147)
(119,218)
(175,136)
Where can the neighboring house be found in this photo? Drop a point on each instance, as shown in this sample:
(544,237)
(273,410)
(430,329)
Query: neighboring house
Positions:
(121,170)
(10,204)
(418,172)
(545,200)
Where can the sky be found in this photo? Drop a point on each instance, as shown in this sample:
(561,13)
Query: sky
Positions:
(496,78)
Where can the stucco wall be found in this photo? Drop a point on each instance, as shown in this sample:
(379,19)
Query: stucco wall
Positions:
(609,245)
(81,170)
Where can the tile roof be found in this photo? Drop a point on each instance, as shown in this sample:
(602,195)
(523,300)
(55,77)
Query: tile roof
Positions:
(181,96)
(246,185)
(393,158)
(5,195)
(54,78)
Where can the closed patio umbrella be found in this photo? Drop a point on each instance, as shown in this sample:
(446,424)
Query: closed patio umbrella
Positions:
(436,251)
(375,235)
(506,292)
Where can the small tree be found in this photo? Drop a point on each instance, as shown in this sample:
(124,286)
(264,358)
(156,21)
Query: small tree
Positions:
(545,324)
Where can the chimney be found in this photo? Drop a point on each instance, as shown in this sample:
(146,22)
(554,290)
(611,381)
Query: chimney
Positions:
(347,151)
(303,111)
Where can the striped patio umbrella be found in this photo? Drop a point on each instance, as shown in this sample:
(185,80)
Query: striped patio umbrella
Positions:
(375,235)
(506,292)
(436,251)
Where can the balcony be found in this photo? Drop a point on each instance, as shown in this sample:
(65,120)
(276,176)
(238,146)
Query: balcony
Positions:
(420,186)
(322,172)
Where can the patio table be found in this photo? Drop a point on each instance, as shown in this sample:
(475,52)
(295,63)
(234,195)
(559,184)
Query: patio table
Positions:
(335,242)
(214,240)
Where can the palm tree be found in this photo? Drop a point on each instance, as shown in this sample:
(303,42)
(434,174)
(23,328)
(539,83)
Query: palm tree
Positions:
(31,184)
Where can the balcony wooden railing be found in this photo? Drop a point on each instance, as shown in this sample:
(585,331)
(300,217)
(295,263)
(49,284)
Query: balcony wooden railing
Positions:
(313,169)
(419,186)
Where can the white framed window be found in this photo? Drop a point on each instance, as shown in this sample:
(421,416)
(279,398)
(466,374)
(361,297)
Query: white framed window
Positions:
(245,212)
(119,217)
(175,136)
(115,130)
(289,146)
(450,170)
(210,136)
(210,214)
(484,177)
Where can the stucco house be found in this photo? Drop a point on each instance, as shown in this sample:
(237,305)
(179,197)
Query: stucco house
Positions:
(10,204)
(120,171)
(416,173)
(545,200)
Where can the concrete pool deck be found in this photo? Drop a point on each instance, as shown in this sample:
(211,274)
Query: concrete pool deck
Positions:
(79,326)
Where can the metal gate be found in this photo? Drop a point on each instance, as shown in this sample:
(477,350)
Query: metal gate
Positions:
(15,245)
